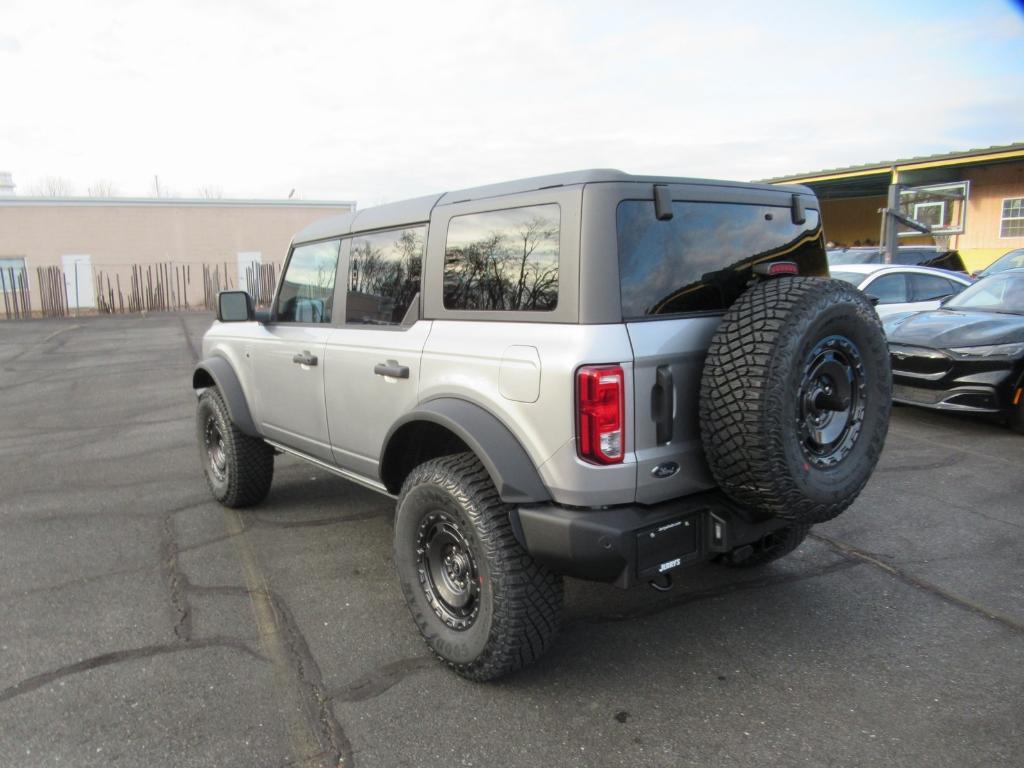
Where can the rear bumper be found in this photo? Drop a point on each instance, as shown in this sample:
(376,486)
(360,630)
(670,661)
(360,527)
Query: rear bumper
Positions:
(632,544)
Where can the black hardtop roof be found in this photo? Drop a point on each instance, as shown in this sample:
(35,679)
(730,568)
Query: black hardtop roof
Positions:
(418,209)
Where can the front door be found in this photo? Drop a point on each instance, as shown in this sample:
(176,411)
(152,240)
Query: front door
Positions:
(288,352)
(373,359)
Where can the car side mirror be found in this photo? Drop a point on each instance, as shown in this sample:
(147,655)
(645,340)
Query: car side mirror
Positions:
(235,307)
(944,299)
(873,299)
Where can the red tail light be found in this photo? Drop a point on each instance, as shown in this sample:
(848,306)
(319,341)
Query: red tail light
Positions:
(601,404)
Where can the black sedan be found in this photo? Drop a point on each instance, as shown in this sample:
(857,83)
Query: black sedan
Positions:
(967,355)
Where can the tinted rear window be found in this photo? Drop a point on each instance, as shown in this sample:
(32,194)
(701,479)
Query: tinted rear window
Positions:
(700,260)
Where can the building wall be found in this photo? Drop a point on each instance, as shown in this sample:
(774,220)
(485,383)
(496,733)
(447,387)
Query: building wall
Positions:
(142,234)
(852,220)
(849,220)
(980,243)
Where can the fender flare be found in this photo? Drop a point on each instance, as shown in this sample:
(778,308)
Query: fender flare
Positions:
(503,456)
(226,380)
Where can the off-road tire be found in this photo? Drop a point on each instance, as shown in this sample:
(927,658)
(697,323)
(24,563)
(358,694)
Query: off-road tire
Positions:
(519,600)
(773,546)
(752,406)
(248,467)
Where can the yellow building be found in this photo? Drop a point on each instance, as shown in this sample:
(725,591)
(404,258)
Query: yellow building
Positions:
(973,199)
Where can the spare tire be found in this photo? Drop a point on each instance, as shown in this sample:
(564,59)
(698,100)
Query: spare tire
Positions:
(795,398)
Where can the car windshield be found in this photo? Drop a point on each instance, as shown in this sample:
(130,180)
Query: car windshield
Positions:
(1010,260)
(856,278)
(854,256)
(1003,292)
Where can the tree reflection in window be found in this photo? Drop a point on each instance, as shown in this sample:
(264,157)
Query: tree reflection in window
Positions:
(503,260)
(384,276)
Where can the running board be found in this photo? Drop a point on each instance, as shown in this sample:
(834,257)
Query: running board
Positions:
(373,485)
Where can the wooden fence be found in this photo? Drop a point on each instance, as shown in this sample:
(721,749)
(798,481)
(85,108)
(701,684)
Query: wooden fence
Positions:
(159,287)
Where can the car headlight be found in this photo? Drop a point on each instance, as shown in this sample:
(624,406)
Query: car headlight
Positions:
(992,350)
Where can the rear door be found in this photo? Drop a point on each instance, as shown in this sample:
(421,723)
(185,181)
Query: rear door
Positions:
(677,277)
(372,359)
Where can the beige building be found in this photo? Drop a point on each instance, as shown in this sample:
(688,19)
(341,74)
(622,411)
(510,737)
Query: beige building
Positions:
(110,254)
(973,199)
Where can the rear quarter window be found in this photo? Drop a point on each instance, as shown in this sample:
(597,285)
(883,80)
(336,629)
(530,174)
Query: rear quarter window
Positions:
(701,259)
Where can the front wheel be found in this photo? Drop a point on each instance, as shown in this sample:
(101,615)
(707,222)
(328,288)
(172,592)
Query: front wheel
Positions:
(482,604)
(238,468)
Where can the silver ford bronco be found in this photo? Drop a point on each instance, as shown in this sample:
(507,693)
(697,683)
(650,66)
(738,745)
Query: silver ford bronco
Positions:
(592,374)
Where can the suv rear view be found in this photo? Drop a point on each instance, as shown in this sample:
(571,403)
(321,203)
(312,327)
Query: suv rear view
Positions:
(592,374)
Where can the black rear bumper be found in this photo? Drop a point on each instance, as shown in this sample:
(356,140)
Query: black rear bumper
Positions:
(635,543)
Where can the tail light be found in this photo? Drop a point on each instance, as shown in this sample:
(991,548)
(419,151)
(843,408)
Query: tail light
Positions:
(601,404)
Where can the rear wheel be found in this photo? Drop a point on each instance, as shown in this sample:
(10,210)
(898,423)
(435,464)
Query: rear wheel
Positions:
(483,605)
(795,398)
(238,468)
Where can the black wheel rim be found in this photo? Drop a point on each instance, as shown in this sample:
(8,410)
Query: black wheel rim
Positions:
(830,409)
(448,571)
(216,456)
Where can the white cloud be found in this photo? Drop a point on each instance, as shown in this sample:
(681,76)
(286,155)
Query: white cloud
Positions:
(379,101)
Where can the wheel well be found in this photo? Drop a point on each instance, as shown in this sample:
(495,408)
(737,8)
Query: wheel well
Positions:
(202,379)
(413,444)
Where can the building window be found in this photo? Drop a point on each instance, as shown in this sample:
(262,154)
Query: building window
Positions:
(384,276)
(11,269)
(1012,222)
(503,260)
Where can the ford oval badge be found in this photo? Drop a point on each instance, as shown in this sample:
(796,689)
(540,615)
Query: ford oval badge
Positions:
(665,469)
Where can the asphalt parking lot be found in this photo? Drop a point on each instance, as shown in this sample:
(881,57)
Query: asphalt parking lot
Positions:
(143,624)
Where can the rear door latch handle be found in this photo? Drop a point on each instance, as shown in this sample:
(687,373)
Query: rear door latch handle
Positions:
(304,358)
(392,369)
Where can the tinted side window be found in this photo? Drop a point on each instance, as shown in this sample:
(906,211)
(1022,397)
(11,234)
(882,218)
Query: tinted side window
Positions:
(384,276)
(503,260)
(307,291)
(931,287)
(890,289)
(701,259)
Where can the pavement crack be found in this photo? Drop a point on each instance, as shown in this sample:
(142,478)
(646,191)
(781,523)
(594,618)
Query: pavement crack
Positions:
(380,680)
(193,351)
(117,657)
(853,554)
(177,582)
(315,732)
(712,592)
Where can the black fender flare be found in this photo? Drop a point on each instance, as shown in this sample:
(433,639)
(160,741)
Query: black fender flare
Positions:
(223,376)
(503,456)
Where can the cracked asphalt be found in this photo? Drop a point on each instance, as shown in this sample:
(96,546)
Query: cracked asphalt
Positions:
(143,624)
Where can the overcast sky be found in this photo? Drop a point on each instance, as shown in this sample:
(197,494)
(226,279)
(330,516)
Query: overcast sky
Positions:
(376,101)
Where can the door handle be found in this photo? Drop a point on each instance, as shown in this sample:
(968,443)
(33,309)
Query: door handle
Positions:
(304,358)
(662,399)
(392,369)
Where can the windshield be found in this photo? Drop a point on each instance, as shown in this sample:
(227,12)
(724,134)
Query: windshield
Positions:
(1010,260)
(854,256)
(1000,293)
(855,278)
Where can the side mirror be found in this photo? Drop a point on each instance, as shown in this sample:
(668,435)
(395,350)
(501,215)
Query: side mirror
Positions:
(235,307)
(873,299)
(944,299)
